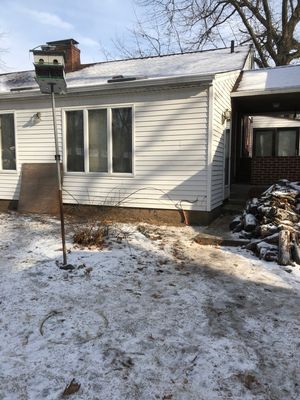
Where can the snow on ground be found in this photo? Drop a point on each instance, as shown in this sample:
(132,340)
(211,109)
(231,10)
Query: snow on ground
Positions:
(151,316)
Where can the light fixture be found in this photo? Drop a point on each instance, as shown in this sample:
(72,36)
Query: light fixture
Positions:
(36,117)
(276,105)
(226,115)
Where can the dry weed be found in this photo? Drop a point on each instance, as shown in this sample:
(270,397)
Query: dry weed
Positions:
(93,234)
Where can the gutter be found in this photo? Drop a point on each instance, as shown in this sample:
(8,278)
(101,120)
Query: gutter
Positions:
(152,82)
(145,83)
(248,93)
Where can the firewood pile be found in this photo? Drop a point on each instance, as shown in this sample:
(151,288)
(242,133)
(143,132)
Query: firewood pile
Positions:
(272,223)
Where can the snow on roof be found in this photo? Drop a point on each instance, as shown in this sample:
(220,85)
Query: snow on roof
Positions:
(277,78)
(199,63)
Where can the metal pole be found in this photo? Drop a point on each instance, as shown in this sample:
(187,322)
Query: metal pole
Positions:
(57,159)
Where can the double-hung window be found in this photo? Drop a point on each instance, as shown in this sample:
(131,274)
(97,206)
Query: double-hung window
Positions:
(8,142)
(99,140)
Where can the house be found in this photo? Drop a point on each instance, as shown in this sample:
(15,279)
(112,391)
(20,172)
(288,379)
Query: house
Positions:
(149,133)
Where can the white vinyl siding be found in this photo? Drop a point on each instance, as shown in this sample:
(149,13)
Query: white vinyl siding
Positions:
(9,185)
(169,154)
(222,87)
(169,145)
(36,140)
(268,121)
(34,143)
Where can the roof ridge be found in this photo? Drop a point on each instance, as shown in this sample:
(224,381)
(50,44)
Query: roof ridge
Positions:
(16,72)
(87,65)
(167,55)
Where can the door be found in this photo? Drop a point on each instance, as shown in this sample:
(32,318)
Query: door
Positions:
(227,138)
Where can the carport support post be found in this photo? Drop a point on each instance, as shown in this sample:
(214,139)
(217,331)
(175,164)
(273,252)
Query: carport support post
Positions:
(57,159)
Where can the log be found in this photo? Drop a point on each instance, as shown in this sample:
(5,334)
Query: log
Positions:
(284,244)
(286,215)
(266,230)
(262,248)
(245,235)
(252,206)
(265,210)
(253,245)
(238,228)
(271,255)
(268,242)
(295,248)
(249,222)
(295,186)
(272,239)
(286,227)
(235,222)
(272,223)
(290,197)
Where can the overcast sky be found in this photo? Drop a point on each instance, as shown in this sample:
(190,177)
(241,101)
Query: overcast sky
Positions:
(25,24)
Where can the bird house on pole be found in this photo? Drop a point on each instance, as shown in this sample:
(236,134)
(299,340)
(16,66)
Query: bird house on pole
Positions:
(49,65)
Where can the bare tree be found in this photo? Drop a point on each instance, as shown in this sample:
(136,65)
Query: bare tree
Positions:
(3,50)
(148,37)
(185,25)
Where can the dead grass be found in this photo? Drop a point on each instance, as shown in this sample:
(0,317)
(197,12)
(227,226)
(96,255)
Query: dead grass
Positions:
(150,232)
(92,235)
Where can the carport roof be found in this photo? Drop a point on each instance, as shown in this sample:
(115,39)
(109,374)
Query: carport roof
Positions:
(285,79)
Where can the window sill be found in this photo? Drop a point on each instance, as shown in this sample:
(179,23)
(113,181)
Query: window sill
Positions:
(8,171)
(270,157)
(100,174)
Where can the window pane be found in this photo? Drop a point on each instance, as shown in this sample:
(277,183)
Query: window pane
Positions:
(98,140)
(75,141)
(8,146)
(287,143)
(122,139)
(263,143)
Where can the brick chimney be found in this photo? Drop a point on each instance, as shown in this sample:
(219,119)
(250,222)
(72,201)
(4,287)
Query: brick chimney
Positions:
(72,53)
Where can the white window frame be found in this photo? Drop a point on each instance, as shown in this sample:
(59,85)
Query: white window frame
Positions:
(9,171)
(86,171)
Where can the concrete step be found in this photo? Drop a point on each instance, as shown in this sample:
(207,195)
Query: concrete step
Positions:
(237,201)
(233,208)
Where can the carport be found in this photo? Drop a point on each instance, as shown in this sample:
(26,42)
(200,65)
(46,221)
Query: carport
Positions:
(262,155)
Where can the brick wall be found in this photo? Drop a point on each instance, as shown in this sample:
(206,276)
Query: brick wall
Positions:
(267,170)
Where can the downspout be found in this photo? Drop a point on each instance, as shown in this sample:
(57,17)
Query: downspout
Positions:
(209,145)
